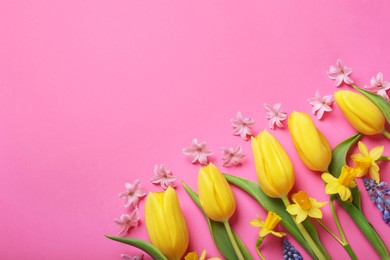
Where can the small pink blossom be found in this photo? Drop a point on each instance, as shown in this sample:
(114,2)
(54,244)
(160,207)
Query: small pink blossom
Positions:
(321,104)
(379,86)
(340,73)
(133,193)
(231,156)
(136,257)
(197,152)
(163,176)
(126,222)
(274,115)
(242,126)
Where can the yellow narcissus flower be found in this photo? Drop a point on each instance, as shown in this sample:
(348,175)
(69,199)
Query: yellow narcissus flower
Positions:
(342,184)
(215,195)
(274,169)
(165,223)
(365,161)
(268,226)
(194,256)
(304,206)
(363,115)
(311,145)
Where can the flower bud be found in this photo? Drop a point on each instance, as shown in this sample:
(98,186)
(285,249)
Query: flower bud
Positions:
(310,143)
(363,115)
(165,223)
(215,195)
(274,169)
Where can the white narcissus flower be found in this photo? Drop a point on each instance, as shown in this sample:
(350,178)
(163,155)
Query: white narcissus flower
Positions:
(197,152)
(163,176)
(274,115)
(133,193)
(232,156)
(379,86)
(242,126)
(126,222)
(340,73)
(321,104)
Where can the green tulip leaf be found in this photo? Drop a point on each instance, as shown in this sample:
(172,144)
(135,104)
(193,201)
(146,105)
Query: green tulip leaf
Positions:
(141,244)
(378,100)
(219,234)
(277,206)
(367,229)
(339,159)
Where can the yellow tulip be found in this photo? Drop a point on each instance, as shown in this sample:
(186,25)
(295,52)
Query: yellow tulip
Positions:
(165,223)
(310,143)
(274,169)
(363,115)
(215,195)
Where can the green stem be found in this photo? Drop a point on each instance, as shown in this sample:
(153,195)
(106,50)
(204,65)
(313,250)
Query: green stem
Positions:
(387,134)
(345,243)
(330,232)
(232,240)
(383,158)
(258,243)
(317,252)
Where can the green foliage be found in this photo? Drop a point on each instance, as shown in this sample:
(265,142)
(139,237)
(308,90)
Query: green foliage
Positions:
(141,244)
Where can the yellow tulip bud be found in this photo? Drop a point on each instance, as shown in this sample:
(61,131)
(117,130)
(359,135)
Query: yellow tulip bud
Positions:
(310,143)
(363,115)
(165,223)
(215,195)
(273,166)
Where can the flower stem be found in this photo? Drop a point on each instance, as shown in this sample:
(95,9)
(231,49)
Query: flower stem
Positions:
(343,238)
(317,252)
(258,243)
(232,240)
(387,134)
(330,232)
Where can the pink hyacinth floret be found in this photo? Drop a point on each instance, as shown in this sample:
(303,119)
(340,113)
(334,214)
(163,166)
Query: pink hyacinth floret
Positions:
(242,126)
(163,176)
(232,156)
(126,222)
(340,73)
(133,193)
(274,115)
(379,86)
(197,152)
(321,104)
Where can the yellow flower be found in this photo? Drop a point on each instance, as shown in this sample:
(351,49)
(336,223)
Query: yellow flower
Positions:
(365,161)
(310,143)
(268,226)
(215,195)
(363,115)
(304,206)
(274,169)
(194,256)
(165,223)
(341,184)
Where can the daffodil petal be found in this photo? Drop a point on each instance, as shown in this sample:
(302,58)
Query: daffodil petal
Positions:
(315,213)
(327,177)
(376,152)
(344,192)
(363,148)
(302,215)
(293,209)
(332,188)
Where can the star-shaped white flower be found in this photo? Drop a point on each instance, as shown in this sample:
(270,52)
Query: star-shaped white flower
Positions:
(242,126)
(136,257)
(340,73)
(126,222)
(379,86)
(133,193)
(163,176)
(232,156)
(274,115)
(197,152)
(321,104)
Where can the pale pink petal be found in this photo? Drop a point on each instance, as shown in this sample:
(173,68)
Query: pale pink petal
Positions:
(163,176)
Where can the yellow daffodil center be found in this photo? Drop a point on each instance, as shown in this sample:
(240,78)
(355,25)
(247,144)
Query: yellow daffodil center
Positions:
(303,200)
(347,175)
(271,221)
(363,163)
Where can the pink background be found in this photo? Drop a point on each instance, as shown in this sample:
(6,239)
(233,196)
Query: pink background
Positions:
(94,93)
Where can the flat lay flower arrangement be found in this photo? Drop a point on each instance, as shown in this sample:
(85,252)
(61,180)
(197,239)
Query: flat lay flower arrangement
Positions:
(367,109)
